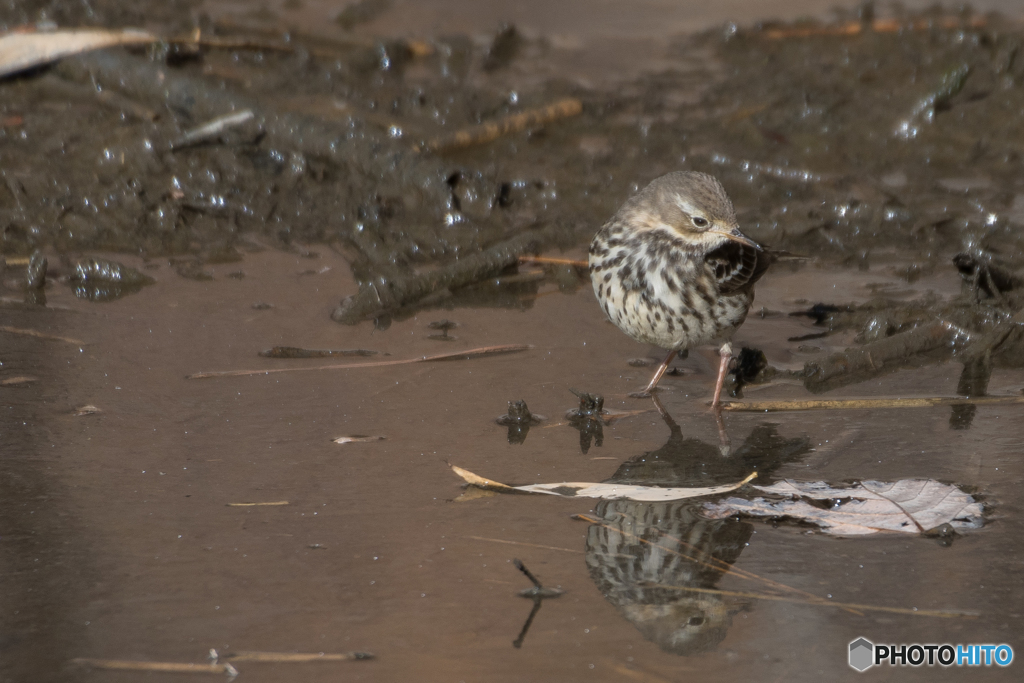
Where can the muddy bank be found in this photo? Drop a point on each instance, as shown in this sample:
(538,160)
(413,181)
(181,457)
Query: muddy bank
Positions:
(846,141)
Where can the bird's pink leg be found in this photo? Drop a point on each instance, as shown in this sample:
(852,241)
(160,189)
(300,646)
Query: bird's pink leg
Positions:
(657,376)
(723,367)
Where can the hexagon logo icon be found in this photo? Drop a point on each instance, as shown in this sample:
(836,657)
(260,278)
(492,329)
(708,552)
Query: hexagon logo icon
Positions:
(862,654)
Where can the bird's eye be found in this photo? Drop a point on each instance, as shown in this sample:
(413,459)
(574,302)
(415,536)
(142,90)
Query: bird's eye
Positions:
(700,222)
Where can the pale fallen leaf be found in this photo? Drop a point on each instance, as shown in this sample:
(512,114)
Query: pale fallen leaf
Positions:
(21,51)
(908,506)
(575,489)
(357,438)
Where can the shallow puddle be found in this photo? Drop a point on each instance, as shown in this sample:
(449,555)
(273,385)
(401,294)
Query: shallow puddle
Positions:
(128,540)
(167,489)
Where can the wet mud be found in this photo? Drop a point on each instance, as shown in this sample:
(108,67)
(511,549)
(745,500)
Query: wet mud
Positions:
(185,226)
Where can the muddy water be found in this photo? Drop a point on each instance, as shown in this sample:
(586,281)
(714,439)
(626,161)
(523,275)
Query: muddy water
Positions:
(128,548)
(123,538)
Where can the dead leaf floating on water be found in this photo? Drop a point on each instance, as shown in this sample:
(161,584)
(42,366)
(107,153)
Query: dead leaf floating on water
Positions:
(357,438)
(909,506)
(575,489)
(21,51)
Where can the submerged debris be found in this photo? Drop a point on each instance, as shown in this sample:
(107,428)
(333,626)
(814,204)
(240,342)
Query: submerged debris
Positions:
(98,279)
(444,326)
(588,418)
(751,367)
(538,590)
(538,593)
(519,419)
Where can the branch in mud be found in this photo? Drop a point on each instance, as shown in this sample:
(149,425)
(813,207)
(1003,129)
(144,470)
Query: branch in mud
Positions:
(514,123)
(383,294)
(861,363)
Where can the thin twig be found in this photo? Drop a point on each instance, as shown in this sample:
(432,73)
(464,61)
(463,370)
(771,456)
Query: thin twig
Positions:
(555,261)
(212,128)
(249,505)
(17,381)
(462,355)
(131,665)
(828,603)
(40,335)
(522,567)
(513,123)
(529,545)
(878,26)
(296,657)
(868,403)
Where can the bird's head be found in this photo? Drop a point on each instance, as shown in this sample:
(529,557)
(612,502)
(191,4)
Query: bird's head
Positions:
(693,205)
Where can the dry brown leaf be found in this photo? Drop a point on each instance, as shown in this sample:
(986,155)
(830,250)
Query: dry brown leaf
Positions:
(908,506)
(477,480)
(575,489)
(21,51)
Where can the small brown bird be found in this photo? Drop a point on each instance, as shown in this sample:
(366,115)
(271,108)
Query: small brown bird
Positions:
(672,269)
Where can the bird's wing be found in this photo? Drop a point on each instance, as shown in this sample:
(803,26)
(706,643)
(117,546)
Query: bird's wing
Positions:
(737,267)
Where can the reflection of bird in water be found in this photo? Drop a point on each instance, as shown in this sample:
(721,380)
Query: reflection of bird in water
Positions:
(635,554)
(640,551)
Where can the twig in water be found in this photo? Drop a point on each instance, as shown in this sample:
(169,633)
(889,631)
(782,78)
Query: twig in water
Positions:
(513,123)
(461,355)
(867,403)
(40,335)
(530,545)
(860,363)
(555,261)
(295,657)
(297,352)
(249,505)
(212,128)
(388,294)
(176,667)
(828,603)
(537,594)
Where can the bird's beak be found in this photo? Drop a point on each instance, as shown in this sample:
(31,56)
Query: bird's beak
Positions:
(736,236)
